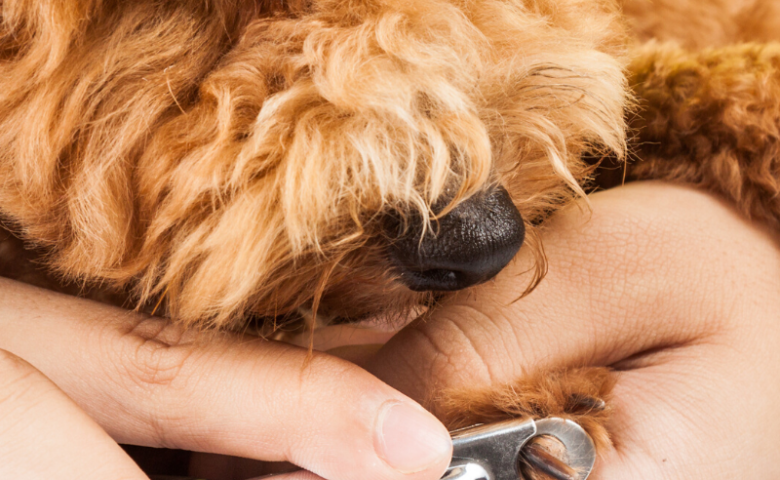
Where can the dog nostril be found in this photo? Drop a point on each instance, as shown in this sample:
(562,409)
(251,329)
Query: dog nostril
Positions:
(471,244)
(441,278)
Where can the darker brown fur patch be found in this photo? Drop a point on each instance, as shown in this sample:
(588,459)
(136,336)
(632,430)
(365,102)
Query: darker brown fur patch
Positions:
(711,119)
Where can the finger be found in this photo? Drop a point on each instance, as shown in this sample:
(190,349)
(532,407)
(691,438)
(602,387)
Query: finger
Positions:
(624,278)
(146,382)
(43,434)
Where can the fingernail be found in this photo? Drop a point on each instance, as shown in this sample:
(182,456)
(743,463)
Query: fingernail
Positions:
(410,439)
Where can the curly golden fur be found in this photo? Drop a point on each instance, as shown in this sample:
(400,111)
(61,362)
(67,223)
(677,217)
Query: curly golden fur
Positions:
(234,157)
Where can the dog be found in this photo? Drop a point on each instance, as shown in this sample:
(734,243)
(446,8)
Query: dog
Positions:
(236,162)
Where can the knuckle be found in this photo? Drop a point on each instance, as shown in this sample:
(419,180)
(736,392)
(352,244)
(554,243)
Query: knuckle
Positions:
(153,354)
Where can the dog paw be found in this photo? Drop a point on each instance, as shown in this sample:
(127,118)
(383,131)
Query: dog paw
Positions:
(581,395)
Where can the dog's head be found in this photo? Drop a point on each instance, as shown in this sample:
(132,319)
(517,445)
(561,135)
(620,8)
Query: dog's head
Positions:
(256,158)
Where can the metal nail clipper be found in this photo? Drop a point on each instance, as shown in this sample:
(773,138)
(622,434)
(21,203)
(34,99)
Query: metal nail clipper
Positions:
(492,451)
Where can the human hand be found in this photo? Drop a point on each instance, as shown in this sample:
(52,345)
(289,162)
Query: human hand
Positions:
(94,375)
(665,284)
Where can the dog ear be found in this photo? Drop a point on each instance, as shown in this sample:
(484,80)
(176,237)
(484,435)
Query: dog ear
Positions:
(70,174)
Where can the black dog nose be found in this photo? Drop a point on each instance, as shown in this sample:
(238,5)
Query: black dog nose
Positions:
(469,245)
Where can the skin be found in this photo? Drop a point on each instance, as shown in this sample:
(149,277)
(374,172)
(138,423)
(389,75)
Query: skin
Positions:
(667,284)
